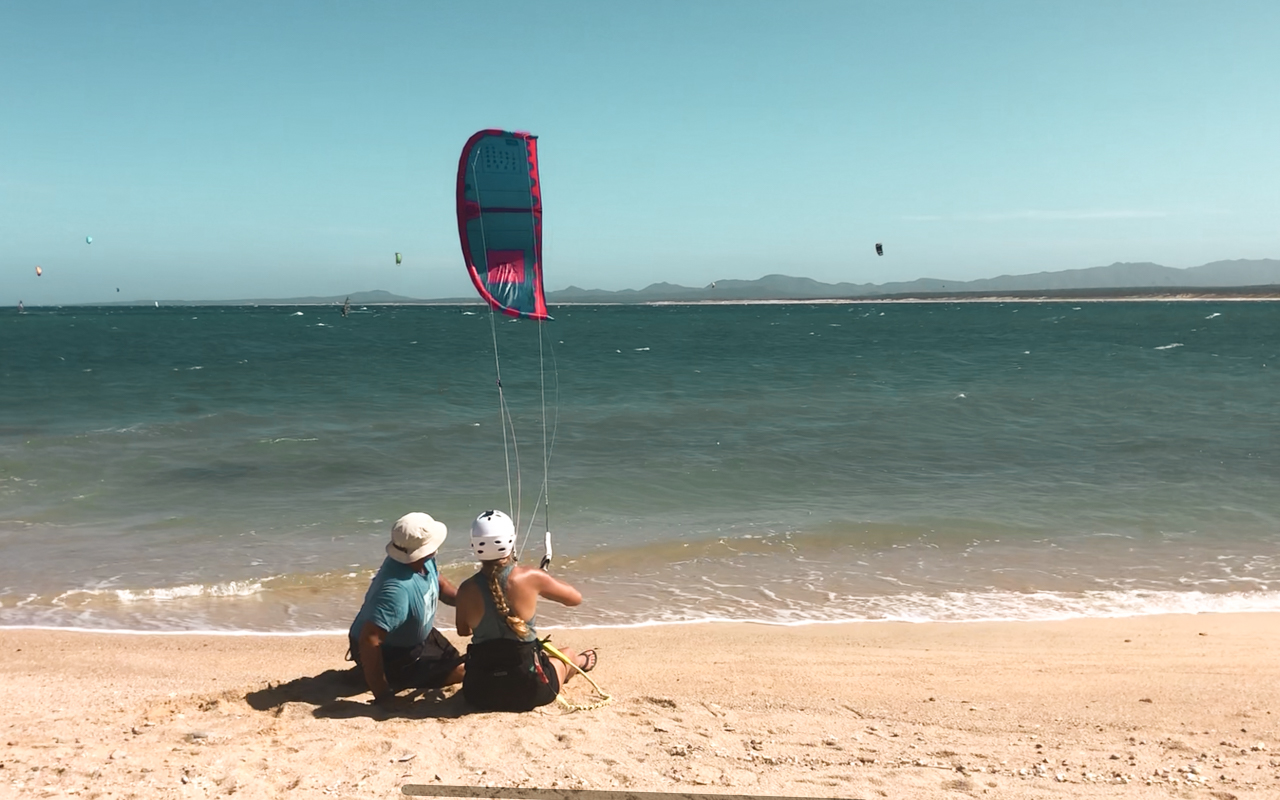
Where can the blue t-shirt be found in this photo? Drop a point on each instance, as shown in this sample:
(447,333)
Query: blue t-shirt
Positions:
(400,601)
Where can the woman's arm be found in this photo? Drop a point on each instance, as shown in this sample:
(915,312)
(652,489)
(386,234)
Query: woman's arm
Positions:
(470,608)
(553,588)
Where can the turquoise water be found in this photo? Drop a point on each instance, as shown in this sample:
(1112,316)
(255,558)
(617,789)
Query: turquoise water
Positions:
(238,468)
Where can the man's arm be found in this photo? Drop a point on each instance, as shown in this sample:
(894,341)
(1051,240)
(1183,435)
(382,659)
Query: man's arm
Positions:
(448,592)
(371,639)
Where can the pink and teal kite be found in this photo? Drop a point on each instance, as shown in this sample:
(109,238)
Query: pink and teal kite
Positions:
(500,220)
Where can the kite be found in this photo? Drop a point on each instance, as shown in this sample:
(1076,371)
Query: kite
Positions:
(88,240)
(39,272)
(879,249)
(500,221)
(500,229)
(397,258)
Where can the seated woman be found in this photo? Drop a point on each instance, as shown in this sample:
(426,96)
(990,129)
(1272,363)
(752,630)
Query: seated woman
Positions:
(507,668)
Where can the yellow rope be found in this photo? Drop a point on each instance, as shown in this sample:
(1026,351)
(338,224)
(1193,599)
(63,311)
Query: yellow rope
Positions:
(605,697)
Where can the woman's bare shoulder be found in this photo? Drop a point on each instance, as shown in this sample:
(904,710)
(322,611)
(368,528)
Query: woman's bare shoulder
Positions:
(524,574)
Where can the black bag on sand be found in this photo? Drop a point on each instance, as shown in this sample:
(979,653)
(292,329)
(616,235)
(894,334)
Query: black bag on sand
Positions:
(506,675)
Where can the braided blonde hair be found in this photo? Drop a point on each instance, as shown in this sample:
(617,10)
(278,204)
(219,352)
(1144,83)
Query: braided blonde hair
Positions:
(491,570)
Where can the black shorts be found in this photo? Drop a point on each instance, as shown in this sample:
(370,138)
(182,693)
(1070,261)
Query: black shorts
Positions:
(506,675)
(427,665)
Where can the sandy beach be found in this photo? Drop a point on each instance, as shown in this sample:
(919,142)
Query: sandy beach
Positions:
(1162,706)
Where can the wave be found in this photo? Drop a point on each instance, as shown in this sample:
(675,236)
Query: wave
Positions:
(914,607)
(227,589)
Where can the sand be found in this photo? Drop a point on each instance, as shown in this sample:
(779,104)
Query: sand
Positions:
(1169,706)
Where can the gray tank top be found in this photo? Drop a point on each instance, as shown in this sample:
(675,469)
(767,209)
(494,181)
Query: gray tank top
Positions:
(492,625)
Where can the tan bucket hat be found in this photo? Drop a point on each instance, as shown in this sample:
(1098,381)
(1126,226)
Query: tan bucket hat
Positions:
(414,536)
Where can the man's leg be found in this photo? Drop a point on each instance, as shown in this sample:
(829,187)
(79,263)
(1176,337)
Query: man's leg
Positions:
(436,663)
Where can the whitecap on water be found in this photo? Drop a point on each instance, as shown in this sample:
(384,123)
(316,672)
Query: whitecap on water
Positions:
(1169,346)
(296,314)
(77,597)
(1214,314)
(228,589)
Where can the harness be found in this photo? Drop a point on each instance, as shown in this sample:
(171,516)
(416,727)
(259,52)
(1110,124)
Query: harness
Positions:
(605,697)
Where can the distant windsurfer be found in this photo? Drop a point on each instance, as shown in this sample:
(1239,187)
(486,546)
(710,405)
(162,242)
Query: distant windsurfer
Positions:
(507,667)
(393,639)
(346,307)
(21,308)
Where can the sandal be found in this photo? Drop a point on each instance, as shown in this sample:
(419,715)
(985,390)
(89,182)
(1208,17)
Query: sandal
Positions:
(590,660)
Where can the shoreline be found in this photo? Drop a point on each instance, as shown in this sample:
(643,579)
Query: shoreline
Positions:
(314,613)
(1124,707)
(656,624)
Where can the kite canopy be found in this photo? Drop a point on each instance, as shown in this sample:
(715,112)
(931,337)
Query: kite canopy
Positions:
(500,220)
(397,258)
(39,272)
(88,240)
(879,249)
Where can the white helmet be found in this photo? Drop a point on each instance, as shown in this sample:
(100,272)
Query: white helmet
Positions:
(493,535)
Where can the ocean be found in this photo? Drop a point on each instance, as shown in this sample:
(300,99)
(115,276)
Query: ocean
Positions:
(238,469)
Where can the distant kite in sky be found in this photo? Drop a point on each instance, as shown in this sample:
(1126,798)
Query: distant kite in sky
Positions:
(39,272)
(88,240)
(879,249)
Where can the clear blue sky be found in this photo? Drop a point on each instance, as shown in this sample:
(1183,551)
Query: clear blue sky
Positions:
(245,149)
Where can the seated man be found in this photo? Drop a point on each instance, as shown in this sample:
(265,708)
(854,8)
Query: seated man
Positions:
(392,639)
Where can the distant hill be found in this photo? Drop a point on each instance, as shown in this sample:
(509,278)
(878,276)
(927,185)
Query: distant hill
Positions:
(1116,280)
(1141,278)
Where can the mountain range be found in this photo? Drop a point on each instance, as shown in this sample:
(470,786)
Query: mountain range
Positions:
(1259,277)
(1142,278)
